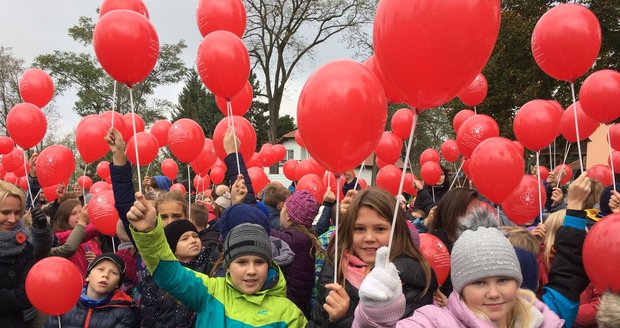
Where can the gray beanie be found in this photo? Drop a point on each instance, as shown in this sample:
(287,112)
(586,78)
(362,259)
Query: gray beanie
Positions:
(480,254)
(247,239)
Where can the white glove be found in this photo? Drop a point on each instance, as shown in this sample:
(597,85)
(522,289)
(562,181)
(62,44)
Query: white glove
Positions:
(382,286)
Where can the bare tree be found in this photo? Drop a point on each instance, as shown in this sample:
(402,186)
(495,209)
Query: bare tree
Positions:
(281,33)
(11,68)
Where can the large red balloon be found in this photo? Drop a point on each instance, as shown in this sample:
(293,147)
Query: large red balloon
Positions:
(55,164)
(519,147)
(54,285)
(119,122)
(227,15)
(566,41)
(103,169)
(6,145)
(134,5)
(258,177)
(522,205)
(280,151)
(169,168)
(430,50)
(474,93)
(437,255)
(461,117)
(601,173)
(566,171)
(89,139)
(496,168)
(50,193)
(186,140)
(289,169)
(304,168)
(179,187)
(102,212)
(402,122)
(255,161)
(615,157)
(99,186)
(343,91)
(206,159)
(88,117)
(601,253)
(244,132)
(431,173)
(126,45)
(614,136)
(128,118)
(390,92)
(330,180)
(429,155)
(11,178)
(240,103)
(544,173)
(409,186)
(36,87)
(475,130)
(223,63)
(450,150)
(314,185)
(537,124)
(26,124)
(85,182)
(389,147)
(13,160)
(299,140)
(587,126)
(600,96)
(388,179)
(147,149)
(160,131)
(217,175)
(201,183)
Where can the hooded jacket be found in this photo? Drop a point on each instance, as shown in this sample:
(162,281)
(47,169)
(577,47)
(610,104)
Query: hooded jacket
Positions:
(114,312)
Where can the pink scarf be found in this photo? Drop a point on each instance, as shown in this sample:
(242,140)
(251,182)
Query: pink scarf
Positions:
(354,269)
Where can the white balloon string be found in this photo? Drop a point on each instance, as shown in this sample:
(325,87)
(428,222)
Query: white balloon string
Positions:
(456,176)
(189,193)
(538,185)
(231,123)
(402,177)
(566,150)
(550,157)
(336,232)
(572,89)
(27,179)
(433,190)
(84,178)
(360,175)
(148,168)
(113,245)
(59,326)
(554,151)
(113,103)
(611,156)
(475,110)
(135,143)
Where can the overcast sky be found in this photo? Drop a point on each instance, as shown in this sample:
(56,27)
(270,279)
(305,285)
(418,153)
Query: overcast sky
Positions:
(36,27)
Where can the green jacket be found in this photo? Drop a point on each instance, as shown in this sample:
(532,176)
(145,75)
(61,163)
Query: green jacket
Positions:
(216,301)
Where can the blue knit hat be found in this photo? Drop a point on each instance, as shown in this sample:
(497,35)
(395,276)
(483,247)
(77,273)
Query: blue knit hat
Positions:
(242,213)
(163,182)
(529,269)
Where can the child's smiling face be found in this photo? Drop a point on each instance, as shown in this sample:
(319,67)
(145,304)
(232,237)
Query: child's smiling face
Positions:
(248,273)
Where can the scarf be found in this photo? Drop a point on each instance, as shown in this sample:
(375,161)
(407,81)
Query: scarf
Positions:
(198,263)
(13,242)
(355,270)
(93,303)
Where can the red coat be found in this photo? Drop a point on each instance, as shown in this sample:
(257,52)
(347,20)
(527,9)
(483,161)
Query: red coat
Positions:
(79,258)
(588,307)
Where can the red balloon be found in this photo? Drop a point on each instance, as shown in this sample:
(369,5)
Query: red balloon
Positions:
(474,93)
(244,132)
(519,147)
(223,63)
(388,179)
(89,139)
(178,187)
(390,93)
(587,126)
(344,91)
(430,50)
(280,151)
(227,15)
(11,178)
(475,130)
(26,124)
(318,169)
(258,177)
(13,160)
(85,182)
(129,123)
(23,183)
(409,186)
(496,168)
(134,5)
(566,171)
(267,156)
(601,173)
(99,186)
(54,285)
(363,184)
(102,212)
(314,185)
(461,117)
(305,167)
(160,131)
(201,183)
(2,172)
(207,157)
(103,169)
(21,171)
(466,167)
(537,124)
(431,173)
(217,175)
(601,253)
(402,122)
(50,193)
(147,149)
(55,164)
(126,45)
(544,173)
(389,147)
(255,161)
(380,164)
(299,140)
(289,169)
(169,168)
(450,151)
(6,145)
(429,155)
(566,41)
(522,205)
(85,119)
(219,163)
(600,96)
(186,140)
(330,180)
(614,136)
(437,255)
(119,122)
(36,87)
(240,103)
(615,155)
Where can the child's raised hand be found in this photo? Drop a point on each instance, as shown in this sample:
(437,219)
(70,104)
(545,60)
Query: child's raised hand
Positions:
(142,215)
(84,219)
(239,190)
(346,202)
(578,192)
(337,302)
(382,286)
(229,144)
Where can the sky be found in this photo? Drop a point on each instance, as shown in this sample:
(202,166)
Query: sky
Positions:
(33,27)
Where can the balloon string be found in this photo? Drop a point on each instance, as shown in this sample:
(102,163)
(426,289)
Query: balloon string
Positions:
(433,190)
(475,110)
(563,163)
(231,123)
(84,190)
(554,155)
(550,157)
(114,103)
(336,233)
(148,168)
(572,89)
(402,177)
(611,156)
(27,179)
(113,245)
(456,175)
(538,186)
(360,174)
(189,193)
(135,138)
(59,326)
(498,220)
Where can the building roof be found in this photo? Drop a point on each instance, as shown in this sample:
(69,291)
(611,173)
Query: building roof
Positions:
(289,135)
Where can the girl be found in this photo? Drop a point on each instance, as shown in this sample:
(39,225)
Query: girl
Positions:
(365,228)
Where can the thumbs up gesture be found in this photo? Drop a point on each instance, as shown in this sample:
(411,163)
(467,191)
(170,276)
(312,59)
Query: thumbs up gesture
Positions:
(142,215)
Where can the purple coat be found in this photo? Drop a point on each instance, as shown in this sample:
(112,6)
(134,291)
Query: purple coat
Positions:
(456,315)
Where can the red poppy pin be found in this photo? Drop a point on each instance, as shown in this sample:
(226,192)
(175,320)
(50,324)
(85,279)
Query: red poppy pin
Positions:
(21,237)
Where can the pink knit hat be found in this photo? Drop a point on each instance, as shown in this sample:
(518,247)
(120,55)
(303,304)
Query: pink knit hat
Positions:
(302,207)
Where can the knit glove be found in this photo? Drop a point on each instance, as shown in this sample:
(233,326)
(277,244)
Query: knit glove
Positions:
(39,221)
(382,286)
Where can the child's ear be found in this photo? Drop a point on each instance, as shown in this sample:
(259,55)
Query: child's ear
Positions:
(86,279)
(280,205)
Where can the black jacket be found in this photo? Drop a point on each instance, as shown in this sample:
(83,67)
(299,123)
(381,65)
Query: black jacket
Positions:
(116,313)
(13,299)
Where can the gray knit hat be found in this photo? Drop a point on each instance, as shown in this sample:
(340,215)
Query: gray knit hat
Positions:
(247,239)
(480,254)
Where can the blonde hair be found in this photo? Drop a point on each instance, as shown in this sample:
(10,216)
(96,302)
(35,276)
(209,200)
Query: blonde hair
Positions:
(520,237)
(552,224)
(608,315)
(520,312)
(594,197)
(11,190)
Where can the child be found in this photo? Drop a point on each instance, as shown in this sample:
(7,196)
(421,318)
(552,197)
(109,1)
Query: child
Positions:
(366,227)
(253,292)
(102,304)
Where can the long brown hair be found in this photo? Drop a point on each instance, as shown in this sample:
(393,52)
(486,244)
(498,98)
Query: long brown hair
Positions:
(61,220)
(450,208)
(383,203)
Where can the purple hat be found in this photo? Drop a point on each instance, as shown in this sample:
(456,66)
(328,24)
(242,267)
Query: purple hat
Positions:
(302,207)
